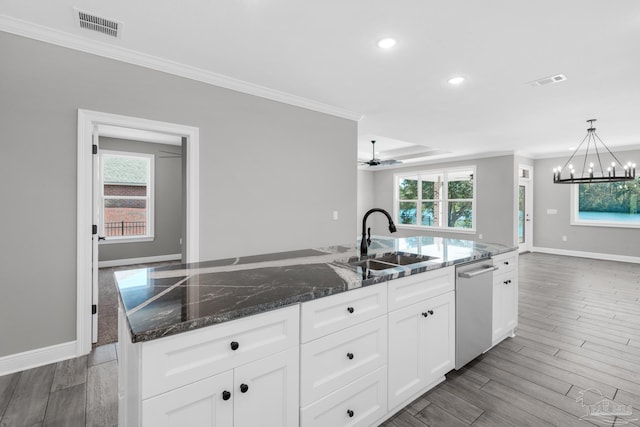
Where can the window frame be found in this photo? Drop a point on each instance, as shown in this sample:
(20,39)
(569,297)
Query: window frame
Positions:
(149,198)
(443,200)
(574,219)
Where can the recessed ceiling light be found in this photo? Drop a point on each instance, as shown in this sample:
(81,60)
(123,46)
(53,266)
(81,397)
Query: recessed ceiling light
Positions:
(456,80)
(387,43)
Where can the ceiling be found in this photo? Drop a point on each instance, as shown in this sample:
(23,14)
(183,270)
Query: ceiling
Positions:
(326,52)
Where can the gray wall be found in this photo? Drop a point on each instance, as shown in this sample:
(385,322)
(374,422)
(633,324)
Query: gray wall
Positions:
(495,199)
(549,229)
(167,207)
(366,195)
(270,174)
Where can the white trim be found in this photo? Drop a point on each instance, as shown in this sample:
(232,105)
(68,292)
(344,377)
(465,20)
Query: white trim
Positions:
(143,260)
(86,121)
(96,47)
(38,357)
(528,229)
(582,254)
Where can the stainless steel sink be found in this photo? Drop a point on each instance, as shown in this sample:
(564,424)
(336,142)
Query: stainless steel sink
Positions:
(379,265)
(401,259)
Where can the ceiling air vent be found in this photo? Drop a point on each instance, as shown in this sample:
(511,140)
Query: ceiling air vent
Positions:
(106,26)
(548,80)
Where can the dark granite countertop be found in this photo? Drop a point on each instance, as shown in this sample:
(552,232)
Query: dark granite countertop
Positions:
(168,300)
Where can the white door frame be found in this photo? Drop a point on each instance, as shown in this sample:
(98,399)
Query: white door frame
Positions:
(86,121)
(528,220)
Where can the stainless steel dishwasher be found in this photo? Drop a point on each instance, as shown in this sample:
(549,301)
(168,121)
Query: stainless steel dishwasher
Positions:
(474,304)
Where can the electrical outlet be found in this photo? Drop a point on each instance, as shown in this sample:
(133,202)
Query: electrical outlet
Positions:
(564,238)
(335,215)
(480,236)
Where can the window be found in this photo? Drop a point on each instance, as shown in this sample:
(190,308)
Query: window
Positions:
(436,199)
(612,204)
(127,196)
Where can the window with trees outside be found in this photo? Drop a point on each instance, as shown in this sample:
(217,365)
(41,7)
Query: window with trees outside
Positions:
(442,199)
(127,196)
(612,204)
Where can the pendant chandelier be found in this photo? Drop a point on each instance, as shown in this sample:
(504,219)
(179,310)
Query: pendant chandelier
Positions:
(593,168)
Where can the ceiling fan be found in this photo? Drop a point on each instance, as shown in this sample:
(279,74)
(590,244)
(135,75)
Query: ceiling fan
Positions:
(378,162)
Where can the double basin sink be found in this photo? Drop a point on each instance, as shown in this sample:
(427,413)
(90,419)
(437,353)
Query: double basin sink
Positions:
(385,264)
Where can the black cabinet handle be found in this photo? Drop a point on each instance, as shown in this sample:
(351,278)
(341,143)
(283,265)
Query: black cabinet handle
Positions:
(506,263)
(350,356)
(350,309)
(226,395)
(244,388)
(234,345)
(425,314)
(430,312)
(506,282)
(350,413)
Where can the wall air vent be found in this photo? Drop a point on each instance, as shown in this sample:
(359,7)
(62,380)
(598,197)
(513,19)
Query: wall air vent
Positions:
(548,80)
(106,26)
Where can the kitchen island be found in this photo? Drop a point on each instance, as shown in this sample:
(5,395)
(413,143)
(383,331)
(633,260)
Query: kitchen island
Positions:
(255,340)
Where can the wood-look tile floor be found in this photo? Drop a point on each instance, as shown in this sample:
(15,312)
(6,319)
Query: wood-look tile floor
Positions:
(577,346)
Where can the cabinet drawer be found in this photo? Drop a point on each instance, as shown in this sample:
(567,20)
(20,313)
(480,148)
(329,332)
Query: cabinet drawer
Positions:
(330,314)
(336,360)
(412,289)
(360,403)
(505,262)
(505,278)
(182,359)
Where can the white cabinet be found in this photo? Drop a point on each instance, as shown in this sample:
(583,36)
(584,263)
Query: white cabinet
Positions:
(240,373)
(421,346)
(266,391)
(505,296)
(343,358)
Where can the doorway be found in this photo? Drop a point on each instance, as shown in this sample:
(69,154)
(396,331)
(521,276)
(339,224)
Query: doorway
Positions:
(525,205)
(89,125)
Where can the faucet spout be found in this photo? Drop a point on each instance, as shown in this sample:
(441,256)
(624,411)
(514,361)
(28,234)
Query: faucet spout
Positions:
(366,240)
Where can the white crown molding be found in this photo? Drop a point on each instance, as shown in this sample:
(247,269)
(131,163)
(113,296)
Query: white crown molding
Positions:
(60,38)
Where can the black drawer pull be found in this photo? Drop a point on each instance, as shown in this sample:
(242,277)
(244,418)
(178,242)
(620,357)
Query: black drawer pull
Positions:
(350,309)
(244,388)
(425,314)
(506,282)
(350,356)
(226,395)
(430,312)
(350,413)
(506,263)
(234,345)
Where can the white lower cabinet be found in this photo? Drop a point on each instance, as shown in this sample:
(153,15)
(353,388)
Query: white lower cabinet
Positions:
(361,403)
(266,391)
(262,393)
(242,373)
(505,296)
(421,346)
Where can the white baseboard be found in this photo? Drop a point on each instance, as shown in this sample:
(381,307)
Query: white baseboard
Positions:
(581,254)
(38,357)
(144,260)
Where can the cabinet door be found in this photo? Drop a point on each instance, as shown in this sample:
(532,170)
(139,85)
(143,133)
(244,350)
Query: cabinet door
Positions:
(498,324)
(201,404)
(407,350)
(510,303)
(440,333)
(266,391)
